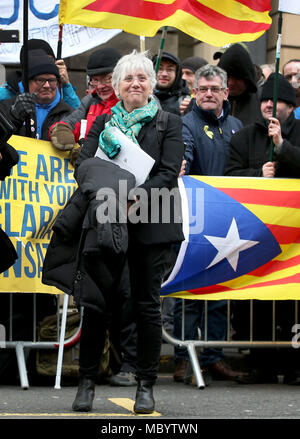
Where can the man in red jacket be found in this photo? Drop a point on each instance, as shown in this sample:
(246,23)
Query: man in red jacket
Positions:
(66,133)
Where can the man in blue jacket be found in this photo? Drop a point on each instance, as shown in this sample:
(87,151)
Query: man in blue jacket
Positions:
(207,130)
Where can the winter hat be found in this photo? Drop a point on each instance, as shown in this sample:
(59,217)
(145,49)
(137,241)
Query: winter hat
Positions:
(102,61)
(169,57)
(286,92)
(219,53)
(35,44)
(193,63)
(236,62)
(39,62)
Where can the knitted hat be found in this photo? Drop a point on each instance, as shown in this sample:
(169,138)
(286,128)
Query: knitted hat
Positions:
(193,63)
(286,92)
(169,57)
(39,63)
(35,44)
(102,61)
(237,63)
(219,53)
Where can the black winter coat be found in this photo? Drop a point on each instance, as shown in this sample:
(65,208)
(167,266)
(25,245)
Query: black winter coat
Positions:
(168,154)
(80,244)
(249,150)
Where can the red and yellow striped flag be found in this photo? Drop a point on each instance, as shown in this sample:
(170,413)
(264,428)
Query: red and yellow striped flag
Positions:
(248,246)
(214,22)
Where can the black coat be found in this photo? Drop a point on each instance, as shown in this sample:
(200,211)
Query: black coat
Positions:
(168,155)
(249,150)
(81,244)
(8,255)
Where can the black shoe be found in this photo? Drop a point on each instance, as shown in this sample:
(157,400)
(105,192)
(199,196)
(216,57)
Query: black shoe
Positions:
(122,379)
(257,377)
(144,401)
(85,395)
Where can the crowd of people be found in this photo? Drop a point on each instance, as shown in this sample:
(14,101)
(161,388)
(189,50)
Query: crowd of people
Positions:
(191,117)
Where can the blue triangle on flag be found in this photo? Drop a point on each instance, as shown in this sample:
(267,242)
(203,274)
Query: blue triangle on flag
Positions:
(212,213)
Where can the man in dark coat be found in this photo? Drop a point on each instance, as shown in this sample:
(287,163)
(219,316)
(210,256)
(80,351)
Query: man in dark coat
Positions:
(207,130)
(42,104)
(249,155)
(243,94)
(170,88)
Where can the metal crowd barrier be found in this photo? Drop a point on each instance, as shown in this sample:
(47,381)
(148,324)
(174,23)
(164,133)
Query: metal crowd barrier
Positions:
(191,345)
(59,344)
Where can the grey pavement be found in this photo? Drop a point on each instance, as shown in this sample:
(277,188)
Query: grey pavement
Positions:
(220,405)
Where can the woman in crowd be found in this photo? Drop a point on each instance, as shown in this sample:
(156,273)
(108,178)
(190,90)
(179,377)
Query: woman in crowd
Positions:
(149,244)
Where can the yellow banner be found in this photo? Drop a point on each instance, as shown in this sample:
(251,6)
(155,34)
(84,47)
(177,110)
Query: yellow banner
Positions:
(30,199)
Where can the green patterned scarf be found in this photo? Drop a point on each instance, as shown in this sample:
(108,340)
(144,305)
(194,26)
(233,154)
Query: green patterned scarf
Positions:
(129,123)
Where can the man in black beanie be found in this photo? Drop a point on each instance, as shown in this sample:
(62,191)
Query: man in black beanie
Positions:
(14,84)
(249,155)
(68,132)
(243,94)
(250,147)
(42,103)
(189,66)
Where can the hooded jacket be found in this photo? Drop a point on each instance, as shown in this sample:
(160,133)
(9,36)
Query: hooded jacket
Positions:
(249,150)
(171,98)
(207,139)
(237,63)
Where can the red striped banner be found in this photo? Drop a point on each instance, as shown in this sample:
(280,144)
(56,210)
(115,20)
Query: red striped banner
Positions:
(216,23)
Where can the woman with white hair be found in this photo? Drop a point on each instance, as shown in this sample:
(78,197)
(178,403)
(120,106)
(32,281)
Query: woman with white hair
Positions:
(150,243)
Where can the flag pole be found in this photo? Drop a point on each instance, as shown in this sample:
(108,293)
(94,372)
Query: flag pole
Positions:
(275,90)
(25,60)
(162,43)
(142,43)
(59,42)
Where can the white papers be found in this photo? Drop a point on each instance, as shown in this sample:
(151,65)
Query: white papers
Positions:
(131,157)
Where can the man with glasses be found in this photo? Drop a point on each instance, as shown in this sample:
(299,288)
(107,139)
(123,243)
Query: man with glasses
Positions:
(207,130)
(41,105)
(101,98)
(36,109)
(171,89)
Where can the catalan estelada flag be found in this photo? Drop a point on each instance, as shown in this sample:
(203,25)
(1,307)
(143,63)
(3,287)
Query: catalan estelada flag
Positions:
(214,22)
(242,239)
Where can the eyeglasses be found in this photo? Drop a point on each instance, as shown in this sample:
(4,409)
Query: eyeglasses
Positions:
(42,81)
(104,80)
(214,90)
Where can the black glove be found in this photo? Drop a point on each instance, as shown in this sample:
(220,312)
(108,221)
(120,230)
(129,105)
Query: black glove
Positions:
(23,107)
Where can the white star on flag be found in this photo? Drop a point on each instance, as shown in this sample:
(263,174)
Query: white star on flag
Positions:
(229,247)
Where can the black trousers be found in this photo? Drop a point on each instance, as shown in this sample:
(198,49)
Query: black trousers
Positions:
(147,265)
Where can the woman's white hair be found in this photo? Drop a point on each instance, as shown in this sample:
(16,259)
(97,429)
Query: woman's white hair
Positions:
(129,64)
